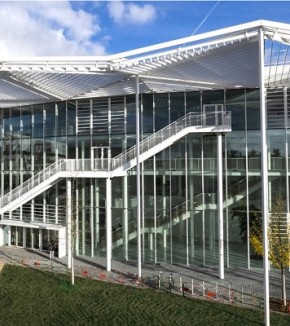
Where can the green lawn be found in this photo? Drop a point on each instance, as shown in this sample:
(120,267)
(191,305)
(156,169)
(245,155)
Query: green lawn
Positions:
(33,297)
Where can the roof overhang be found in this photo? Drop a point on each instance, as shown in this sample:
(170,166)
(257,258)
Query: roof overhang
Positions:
(221,59)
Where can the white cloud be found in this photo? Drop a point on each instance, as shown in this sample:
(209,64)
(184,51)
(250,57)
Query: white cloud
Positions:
(124,13)
(47,28)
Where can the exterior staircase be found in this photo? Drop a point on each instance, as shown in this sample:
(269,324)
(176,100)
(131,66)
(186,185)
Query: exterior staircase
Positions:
(117,166)
(181,212)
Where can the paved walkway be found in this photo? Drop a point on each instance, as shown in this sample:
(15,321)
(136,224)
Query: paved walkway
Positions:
(240,279)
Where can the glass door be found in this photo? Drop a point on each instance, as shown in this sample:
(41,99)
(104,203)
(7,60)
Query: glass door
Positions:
(210,111)
(100,156)
(28,238)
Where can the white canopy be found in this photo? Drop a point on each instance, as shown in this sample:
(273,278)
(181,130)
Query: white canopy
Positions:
(225,58)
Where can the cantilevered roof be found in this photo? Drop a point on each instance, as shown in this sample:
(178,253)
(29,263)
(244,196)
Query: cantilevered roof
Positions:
(221,59)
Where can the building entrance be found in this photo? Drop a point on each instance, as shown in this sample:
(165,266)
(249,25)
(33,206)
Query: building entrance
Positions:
(35,238)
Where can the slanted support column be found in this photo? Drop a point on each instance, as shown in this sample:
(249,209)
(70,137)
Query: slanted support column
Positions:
(109,222)
(220,206)
(150,240)
(164,238)
(264,176)
(69,221)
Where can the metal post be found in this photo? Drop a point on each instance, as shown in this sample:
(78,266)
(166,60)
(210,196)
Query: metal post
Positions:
(286,145)
(139,258)
(264,174)
(203,202)
(125,222)
(220,206)
(68,221)
(155,209)
(109,222)
(92,218)
(247,186)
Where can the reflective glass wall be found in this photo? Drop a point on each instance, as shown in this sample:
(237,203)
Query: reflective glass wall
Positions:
(179,184)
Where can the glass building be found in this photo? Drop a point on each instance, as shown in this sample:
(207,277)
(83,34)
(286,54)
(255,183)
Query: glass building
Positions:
(152,155)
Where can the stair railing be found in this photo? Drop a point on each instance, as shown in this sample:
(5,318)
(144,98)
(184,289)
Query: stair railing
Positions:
(189,120)
(63,165)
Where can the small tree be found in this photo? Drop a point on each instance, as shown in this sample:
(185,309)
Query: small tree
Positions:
(74,226)
(255,220)
(279,241)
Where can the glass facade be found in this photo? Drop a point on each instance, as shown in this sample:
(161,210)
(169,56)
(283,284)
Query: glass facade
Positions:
(179,214)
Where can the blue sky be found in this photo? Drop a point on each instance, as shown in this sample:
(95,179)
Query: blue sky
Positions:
(104,27)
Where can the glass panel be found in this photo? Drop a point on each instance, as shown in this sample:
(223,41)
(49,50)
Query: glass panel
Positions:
(211,238)
(61,121)
(117,115)
(193,102)
(131,115)
(147,117)
(71,118)
(20,236)
(236,151)
(253,109)
(254,150)
(28,238)
(161,111)
(13,235)
(49,120)
(177,106)
(276,147)
(213,97)
(236,104)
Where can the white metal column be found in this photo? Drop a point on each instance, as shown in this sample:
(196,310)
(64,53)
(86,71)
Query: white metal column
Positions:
(189,168)
(155,209)
(97,213)
(92,218)
(84,224)
(109,222)
(24,237)
(39,239)
(247,187)
(264,174)
(203,202)
(139,258)
(125,222)
(69,221)
(188,220)
(285,98)
(76,209)
(220,206)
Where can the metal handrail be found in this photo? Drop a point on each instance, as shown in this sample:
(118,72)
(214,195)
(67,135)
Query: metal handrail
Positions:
(189,120)
(39,211)
(74,165)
